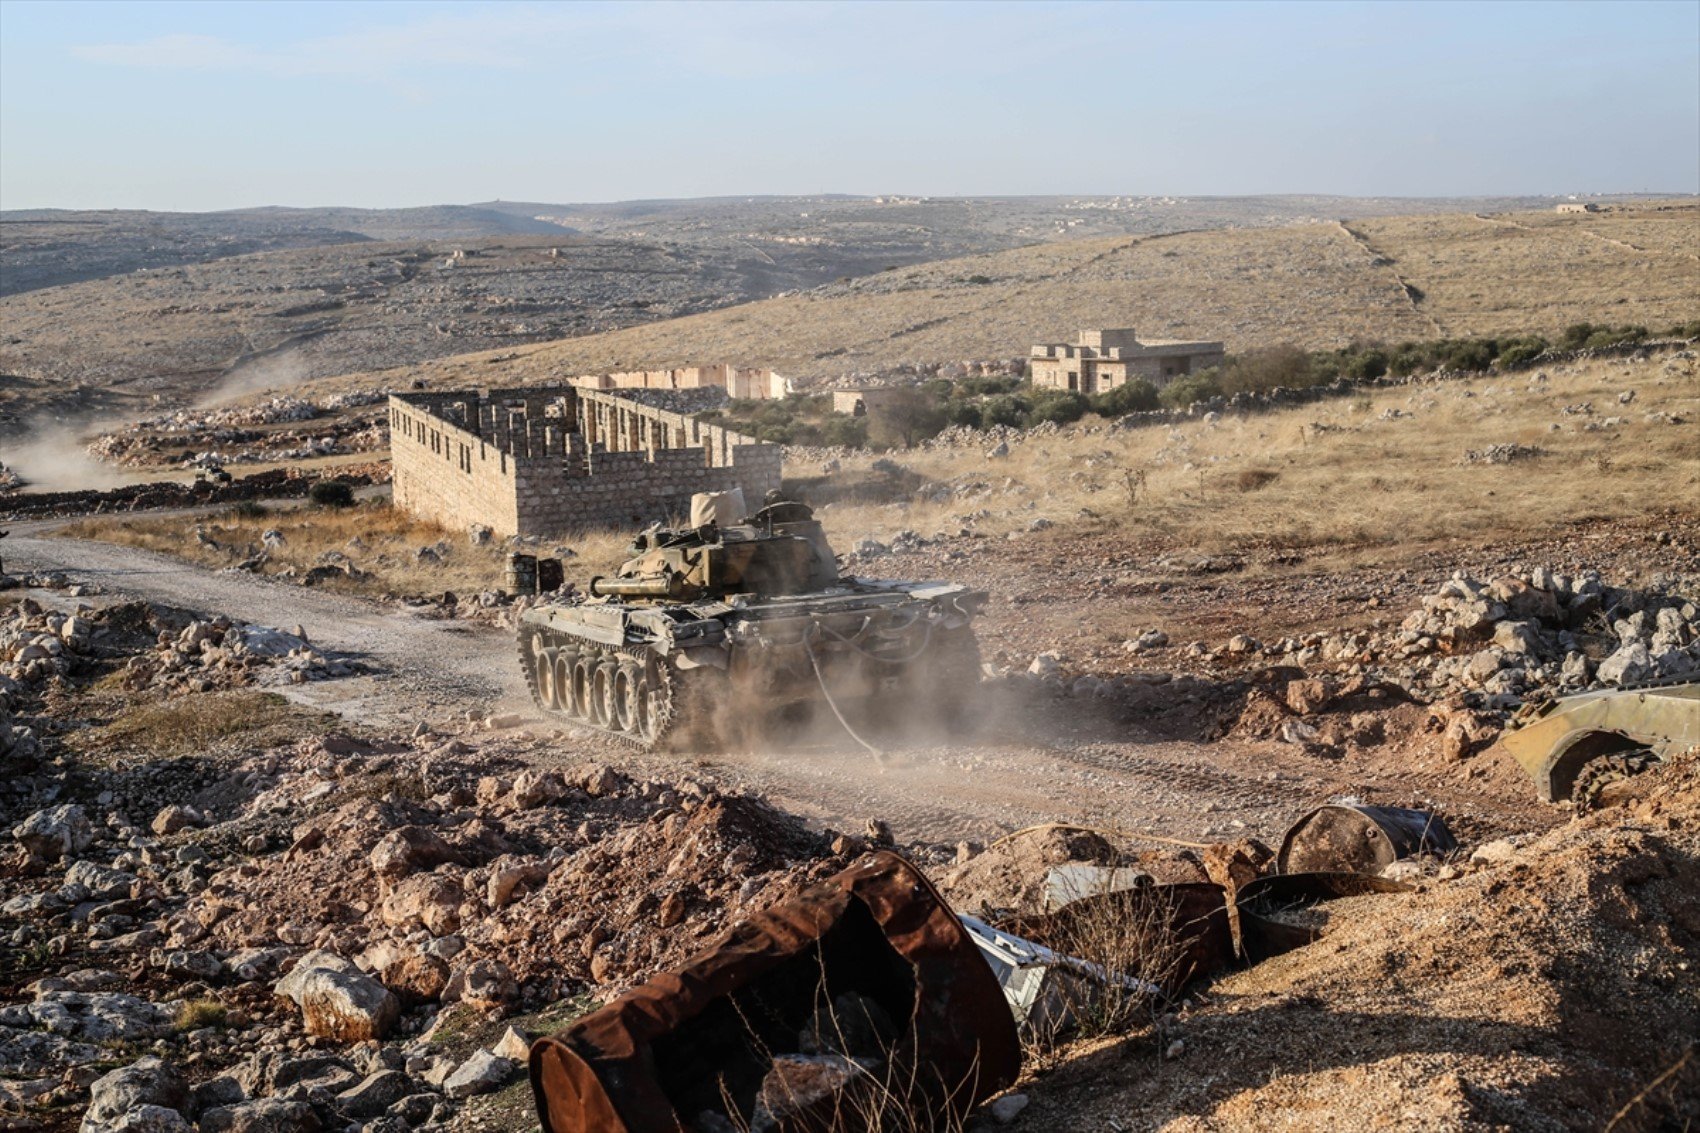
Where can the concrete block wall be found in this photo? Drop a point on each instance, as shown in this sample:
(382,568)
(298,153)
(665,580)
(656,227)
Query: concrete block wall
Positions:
(547,460)
(745,382)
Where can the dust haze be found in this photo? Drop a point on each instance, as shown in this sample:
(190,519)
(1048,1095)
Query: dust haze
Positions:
(53,457)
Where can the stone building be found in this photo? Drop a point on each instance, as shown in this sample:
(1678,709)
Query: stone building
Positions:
(550,459)
(741,382)
(859,401)
(1104,359)
(1579,206)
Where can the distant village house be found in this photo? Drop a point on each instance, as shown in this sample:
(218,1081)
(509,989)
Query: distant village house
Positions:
(1579,206)
(1103,359)
(859,401)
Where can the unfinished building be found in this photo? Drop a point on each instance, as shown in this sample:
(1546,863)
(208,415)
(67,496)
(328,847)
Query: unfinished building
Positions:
(738,381)
(1103,359)
(551,459)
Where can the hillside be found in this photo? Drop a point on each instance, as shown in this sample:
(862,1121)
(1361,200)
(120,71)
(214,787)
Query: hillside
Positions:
(52,247)
(276,318)
(1317,285)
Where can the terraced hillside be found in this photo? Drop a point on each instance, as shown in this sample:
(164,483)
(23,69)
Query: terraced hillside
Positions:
(1315,285)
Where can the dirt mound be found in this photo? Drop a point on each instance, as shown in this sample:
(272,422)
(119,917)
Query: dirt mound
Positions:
(1543,986)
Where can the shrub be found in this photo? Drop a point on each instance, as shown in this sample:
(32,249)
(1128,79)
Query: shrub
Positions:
(1259,371)
(908,415)
(1133,396)
(1364,365)
(1182,392)
(1519,352)
(1468,355)
(1252,479)
(1060,406)
(330,493)
(1005,410)
(849,431)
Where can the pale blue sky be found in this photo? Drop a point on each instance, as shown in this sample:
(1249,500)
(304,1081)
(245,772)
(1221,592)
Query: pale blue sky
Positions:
(221,105)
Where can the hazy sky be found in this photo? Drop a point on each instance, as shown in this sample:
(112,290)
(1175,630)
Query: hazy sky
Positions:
(221,105)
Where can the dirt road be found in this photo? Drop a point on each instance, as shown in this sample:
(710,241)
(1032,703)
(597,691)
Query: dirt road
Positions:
(1032,758)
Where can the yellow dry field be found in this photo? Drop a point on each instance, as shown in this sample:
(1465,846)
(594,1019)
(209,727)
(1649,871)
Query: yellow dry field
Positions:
(1314,285)
(1349,479)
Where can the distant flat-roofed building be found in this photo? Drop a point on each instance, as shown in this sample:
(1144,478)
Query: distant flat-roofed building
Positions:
(1103,359)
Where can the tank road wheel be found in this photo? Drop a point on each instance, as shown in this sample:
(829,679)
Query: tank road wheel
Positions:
(625,706)
(530,646)
(547,691)
(584,687)
(650,712)
(602,695)
(564,700)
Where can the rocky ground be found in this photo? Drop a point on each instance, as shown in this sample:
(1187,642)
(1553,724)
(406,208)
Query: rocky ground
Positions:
(223,912)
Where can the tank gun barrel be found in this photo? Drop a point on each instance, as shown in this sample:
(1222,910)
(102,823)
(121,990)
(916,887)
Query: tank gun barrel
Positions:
(669,586)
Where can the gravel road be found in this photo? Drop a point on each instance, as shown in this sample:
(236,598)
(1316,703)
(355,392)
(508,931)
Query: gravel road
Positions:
(1031,758)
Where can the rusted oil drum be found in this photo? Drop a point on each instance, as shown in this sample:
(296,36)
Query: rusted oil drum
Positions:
(522,574)
(1361,839)
(1278,914)
(550,575)
(703,1036)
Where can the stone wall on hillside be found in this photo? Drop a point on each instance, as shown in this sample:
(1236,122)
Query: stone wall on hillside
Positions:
(550,459)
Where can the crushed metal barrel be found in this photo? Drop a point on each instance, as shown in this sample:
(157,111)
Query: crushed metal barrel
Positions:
(1287,911)
(1361,839)
(864,992)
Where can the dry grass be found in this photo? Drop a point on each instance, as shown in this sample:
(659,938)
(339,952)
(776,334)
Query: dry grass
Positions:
(198,1013)
(1313,285)
(1344,475)
(380,541)
(189,725)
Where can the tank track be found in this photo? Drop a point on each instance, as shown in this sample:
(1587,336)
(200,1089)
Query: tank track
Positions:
(1598,775)
(625,693)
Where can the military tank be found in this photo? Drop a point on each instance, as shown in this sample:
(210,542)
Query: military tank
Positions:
(711,632)
(1584,748)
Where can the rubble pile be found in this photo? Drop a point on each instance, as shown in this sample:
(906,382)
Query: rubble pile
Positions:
(272,411)
(38,646)
(276,483)
(530,884)
(285,933)
(220,653)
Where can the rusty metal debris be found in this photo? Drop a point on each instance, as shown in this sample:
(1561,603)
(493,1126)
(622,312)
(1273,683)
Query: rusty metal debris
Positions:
(1584,748)
(1044,986)
(1280,913)
(1361,839)
(734,1038)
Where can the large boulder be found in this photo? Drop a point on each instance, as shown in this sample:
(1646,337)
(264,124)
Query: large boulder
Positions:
(145,1082)
(409,850)
(150,1119)
(337,1000)
(483,1073)
(430,899)
(265,1115)
(1629,664)
(55,833)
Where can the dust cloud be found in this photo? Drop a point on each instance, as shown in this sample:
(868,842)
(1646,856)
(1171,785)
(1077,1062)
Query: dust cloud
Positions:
(51,456)
(275,371)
